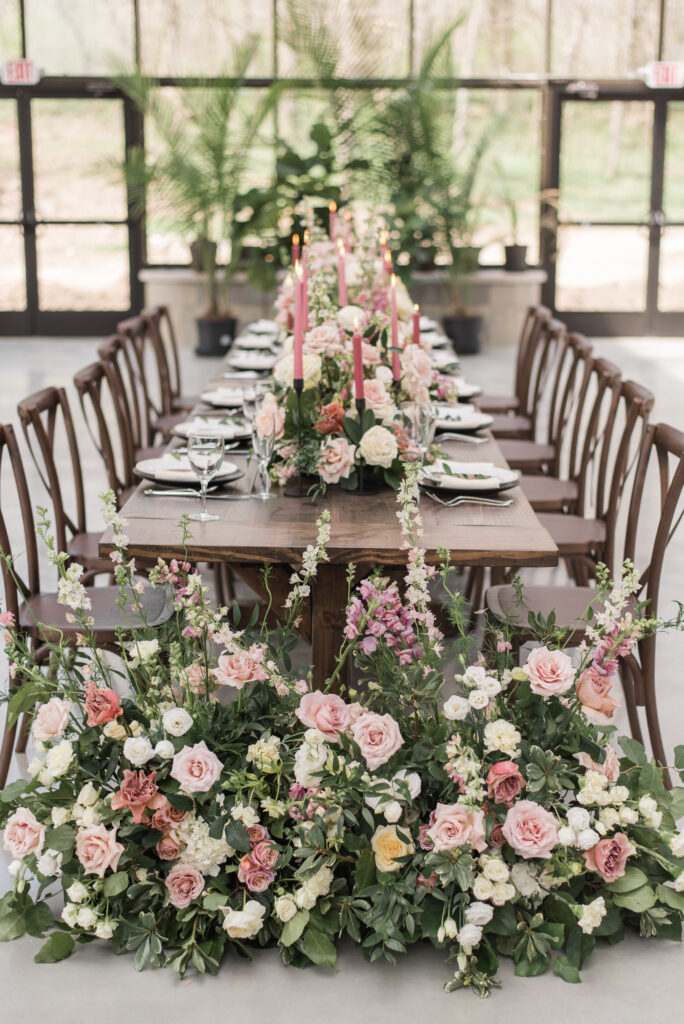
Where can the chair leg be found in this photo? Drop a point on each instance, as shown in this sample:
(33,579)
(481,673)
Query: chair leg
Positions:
(22,739)
(6,752)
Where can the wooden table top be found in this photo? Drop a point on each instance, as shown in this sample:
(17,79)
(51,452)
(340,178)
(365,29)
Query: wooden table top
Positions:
(364,528)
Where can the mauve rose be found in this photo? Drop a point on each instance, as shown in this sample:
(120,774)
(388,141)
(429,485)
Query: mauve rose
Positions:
(51,719)
(23,833)
(610,767)
(265,855)
(497,838)
(168,849)
(136,792)
(165,816)
(378,738)
(102,705)
(324,711)
(551,672)
(504,782)
(196,769)
(531,830)
(185,884)
(336,460)
(593,693)
(330,419)
(609,856)
(257,834)
(97,849)
(457,824)
(238,669)
(259,879)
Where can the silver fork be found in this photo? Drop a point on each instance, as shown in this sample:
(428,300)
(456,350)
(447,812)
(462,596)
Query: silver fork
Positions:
(468,499)
(158,493)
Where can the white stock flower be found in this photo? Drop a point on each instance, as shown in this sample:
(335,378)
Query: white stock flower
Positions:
(469,936)
(284,908)
(479,914)
(177,721)
(138,750)
(503,736)
(618,794)
(592,915)
(628,816)
(609,817)
(164,749)
(648,806)
(59,758)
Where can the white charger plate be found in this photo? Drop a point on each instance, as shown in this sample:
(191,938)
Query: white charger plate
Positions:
(245,360)
(440,360)
(224,398)
(170,469)
(465,389)
(231,431)
(254,342)
(263,326)
(462,418)
(468,477)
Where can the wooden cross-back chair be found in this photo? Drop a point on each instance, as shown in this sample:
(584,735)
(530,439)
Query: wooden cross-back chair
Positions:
(530,333)
(114,447)
(161,328)
(128,388)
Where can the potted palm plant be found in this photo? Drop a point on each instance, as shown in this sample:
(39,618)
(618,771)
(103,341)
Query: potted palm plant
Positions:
(515,252)
(198,168)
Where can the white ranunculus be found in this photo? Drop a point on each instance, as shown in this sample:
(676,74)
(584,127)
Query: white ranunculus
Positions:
(347,315)
(587,839)
(86,918)
(578,819)
(177,721)
(378,447)
(164,749)
(592,915)
(77,892)
(478,699)
(59,758)
(138,750)
(392,811)
(469,936)
(479,914)
(88,795)
(284,908)
(245,923)
(456,708)
(482,888)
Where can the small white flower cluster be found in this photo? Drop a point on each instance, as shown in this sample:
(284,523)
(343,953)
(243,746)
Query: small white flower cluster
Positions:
(54,765)
(648,808)
(596,791)
(418,574)
(464,766)
(312,557)
(310,758)
(578,831)
(493,882)
(313,888)
(198,848)
(477,915)
(389,801)
(265,755)
(273,808)
(85,812)
(592,915)
(503,736)
(70,590)
(613,603)
(141,652)
(244,813)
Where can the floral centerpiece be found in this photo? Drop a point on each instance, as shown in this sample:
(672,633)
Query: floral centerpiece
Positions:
(193,794)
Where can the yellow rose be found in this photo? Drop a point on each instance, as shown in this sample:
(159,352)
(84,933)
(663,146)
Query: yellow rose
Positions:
(283,371)
(114,731)
(387,846)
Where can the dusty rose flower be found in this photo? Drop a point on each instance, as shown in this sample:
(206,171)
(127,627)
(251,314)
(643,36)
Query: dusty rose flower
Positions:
(336,460)
(265,855)
(196,768)
(377,397)
(51,719)
(610,767)
(324,339)
(531,830)
(97,849)
(136,792)
(456,824)
(102,705)
(416,372)
(330,419)
(551,672)
(238,669)
(257,834)
(23,833)
(324,711)
(167,848)
(609,856)
(185,884)
(504,782)
(593,693)
(377,736)
(497,838)
(165,816)
(270,419)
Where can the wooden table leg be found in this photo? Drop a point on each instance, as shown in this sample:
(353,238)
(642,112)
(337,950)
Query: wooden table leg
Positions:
(328,607)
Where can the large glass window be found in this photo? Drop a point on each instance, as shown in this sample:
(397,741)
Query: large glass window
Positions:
(609,39)
(80,37)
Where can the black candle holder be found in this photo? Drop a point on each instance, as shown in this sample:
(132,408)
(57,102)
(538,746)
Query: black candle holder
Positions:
(298,385)
(363,487)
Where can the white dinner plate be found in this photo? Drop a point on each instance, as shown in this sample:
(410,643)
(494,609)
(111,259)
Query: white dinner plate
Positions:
(465,389)
(441,360)
(468,477)
(254,342)
(426,323)
(232,428)
(263,327)
(224,398)
(462,417)
(243,360)
(176,469)
(434,339)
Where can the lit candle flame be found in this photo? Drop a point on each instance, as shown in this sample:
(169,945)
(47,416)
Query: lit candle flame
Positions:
(295,239)
(332,206)
(394,281)
(416,307)
(298,271)
(306,237)
(347,215)
(356,323)
(388,257)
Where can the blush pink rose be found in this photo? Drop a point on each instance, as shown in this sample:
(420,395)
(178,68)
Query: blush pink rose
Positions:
(102,705)
(336,460)
(270,418)
(136,792)
(457,824)
(257,834)
(51,719)
(376,395)
(377,736)
(610,767)
(609,856)
(184,884)
(23,833)
(97,849)
(324,711)
(531,830)
(196,769)
(238,669)
(265,855)
(256,878)
(324,339)
(593,693)
(416,372)
(504,782)
(165,816)
(168,849)
(551,672)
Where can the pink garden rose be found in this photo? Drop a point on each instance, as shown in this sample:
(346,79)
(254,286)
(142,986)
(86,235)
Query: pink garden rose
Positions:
(239,669)
(97,849)
(416,372)
(324,339)
(610,767)
(185,884)
(324,711)
(270,418)
(378,737)
(165,816)
(265,855)
(167,848)
(23,833)
(609,856)
(102,705)
(336,460)
(457,824)
(531,830)
(196,769)
(593,693)
(504,782)
(255,877)
(551,672)
(330,418)
(376,395)
(51,719)
(136,792)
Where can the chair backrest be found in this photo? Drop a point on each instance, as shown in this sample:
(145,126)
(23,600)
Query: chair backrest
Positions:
(46,418)
(161,328)
(16,587)
(98,403)
(128,388)
(152,371)
(573,370)
(546,349)
(530,337)
(589,436)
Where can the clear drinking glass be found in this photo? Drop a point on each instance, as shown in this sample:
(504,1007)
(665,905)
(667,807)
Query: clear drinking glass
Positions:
(205,455)
(263,441)
(251,397)
(421,420)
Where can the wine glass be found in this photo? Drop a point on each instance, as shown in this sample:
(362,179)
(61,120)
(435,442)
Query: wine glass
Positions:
(251,397)
(263,441)
(205,455)
(421,419)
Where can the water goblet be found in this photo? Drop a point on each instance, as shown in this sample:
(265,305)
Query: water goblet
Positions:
(263,441)
(205,455)
(421,421)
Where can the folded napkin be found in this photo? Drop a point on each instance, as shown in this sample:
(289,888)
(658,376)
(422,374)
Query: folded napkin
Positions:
(223,395)
(460,467)
(263,326)
(174,468)
(229,430)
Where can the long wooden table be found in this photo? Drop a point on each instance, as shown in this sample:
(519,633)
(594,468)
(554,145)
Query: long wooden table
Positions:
(364,530)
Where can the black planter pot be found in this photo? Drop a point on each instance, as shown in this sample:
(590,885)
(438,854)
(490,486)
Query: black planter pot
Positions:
(215,336)
(516,257)
(465,333)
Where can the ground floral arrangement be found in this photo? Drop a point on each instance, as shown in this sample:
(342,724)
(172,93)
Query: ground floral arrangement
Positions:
(335,441)
(194,796)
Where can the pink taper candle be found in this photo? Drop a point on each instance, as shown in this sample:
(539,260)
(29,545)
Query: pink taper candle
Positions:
(396,362)
(341,277)
(299,324)
(305,279)
(359,393)
(332,207)
(387,260)
(416,324)
(347,231)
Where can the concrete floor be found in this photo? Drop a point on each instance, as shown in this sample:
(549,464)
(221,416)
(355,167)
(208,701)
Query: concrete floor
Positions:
(637,983)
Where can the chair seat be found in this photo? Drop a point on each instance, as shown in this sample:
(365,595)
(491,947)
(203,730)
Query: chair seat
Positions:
(574,535)
(569,603)
(43,616)
(165,424)
(548,493)
(526,455)
(185,403)
(496,404)
(512,426)
(84,548)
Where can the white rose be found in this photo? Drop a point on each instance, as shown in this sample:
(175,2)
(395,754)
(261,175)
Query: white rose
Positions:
(578,819)
(456,708)
(49,863)
(587,839)
(347,315)
(88,795)
(86,918)
(648,806)
(59,758)
(138,750)
(285,908)
(412,780)
(104,929)
(450,928)
(246,814)
(164,749)
(478,699)
(609,817)
(495,870)
(384,375)
(628,816)
(502,893)
(482,888)
(566,836)
(88,816)
(479,914)
(69,914)
(525,880)
(305,898)
(177,721)
(619,794)
(59,816)
(592,915)
(677,844)
(245,923)
(77,892)
(283,371)
(320,883)
(656,820)
(469,936)
(392,811)
(378,447)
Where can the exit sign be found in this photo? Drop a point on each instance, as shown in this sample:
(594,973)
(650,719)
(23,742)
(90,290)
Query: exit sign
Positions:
(663,74)
(20,72)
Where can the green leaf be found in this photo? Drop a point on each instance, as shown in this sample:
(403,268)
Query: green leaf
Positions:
(566,970)
(213,900)
(554,932)
(633,878)
(58,947)
(37,918)
(638,900)
(670,897)
(115,884)
(365,870)
(319,948)
(677,802)
(679,757)
(236,835)
(633,750)
(22,700)
(60,839)
(294,928)
(579,947)
(12,926)
(525,968)
(16,789)
(180,801)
